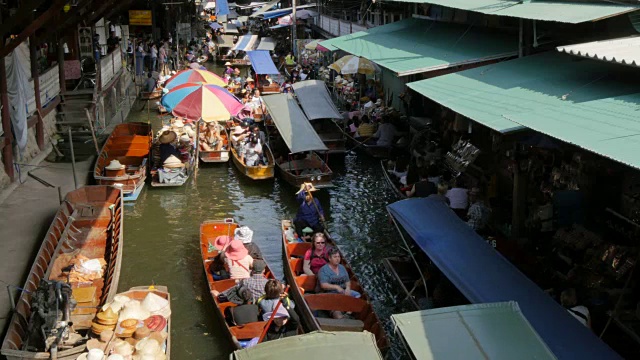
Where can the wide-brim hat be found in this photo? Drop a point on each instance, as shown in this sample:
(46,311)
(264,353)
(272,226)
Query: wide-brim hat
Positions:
(238,130)
(168,136)
(114,165)
(236,251)
(280,313)
(307,230)
(172,162)
(221,242)
(249,78)
(243,234)
(185,138)
(227,64)
(177,124)
(303,187)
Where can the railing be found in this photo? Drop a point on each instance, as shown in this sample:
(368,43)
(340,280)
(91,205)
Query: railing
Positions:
(337,27)
(110,65)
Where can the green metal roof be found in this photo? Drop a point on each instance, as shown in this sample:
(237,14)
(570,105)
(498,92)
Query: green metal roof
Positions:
(481,331)
(588,103)
(416,45)
(559,11)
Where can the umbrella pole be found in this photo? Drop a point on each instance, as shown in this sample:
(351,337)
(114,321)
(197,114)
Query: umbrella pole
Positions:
(197,142)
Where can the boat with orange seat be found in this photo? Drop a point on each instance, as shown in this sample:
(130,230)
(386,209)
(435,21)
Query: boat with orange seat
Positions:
(79,263)
(311,306)
(124,159)
(217,156)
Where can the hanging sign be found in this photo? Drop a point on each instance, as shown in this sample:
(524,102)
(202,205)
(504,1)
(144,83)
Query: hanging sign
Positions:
(140,17)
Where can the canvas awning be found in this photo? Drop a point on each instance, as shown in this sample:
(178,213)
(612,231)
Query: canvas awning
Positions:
(246,42)
(588,103)
(414,46)
(265,8)
(267,43)
(230,28)
(225,41)
(243,19)
(624,51)
(262,63)
(547,10)
(286,11)
(293,125)
(483,275)
(222,7)
(479,331)
(317,345)
(316,100)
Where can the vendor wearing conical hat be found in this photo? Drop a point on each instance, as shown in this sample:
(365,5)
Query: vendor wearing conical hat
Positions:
(310,213)
(166,140)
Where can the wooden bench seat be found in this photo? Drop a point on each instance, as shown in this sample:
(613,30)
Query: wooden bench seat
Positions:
(331,324)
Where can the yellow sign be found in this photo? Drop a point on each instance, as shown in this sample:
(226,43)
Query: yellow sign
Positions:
(140,17)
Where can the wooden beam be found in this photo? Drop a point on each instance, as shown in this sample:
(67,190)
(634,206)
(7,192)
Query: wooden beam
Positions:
(23,16)
(102,9)
(7,149)
(76,15)
(118,8)
(39,22)
(36,89)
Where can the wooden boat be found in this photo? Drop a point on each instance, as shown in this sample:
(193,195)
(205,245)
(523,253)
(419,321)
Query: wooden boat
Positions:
(239,62)
(311,169)
(309,304)
(155,94)
(332,136)
(88,223)
(177,176)
(260,172)
(130,144)
(393,184)
(407,276)
(140,292)
(209,230)
(218,156)
(274,88)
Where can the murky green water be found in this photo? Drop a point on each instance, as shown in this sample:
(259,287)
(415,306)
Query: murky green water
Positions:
(162,239)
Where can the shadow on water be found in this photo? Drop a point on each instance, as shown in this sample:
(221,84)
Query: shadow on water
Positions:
(162,239)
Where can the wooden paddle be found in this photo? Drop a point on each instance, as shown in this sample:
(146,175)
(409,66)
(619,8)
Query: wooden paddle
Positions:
(360,143)
(273,314)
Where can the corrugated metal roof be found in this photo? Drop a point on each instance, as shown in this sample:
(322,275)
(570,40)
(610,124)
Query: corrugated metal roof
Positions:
(625,51)
(416,45)
(537,10)
(479,330)
(588,103)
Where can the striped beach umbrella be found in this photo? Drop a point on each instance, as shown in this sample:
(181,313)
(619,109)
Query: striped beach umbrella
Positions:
(352,64)
(193,76)
(202,101)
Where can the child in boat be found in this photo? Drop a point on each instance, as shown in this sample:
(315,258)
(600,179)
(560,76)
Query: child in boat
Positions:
(285,321)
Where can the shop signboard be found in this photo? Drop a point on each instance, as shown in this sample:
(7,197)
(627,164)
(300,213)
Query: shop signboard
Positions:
(140,17)
(86,42)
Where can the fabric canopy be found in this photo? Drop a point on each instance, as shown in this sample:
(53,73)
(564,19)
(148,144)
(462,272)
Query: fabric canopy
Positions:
(624,51)
(414,46)
(262,63)
(215,26)
(559,11)
(246,42)
(316,100)
(265,8)
(222,7)
(293,126)
(318,345)
(285,11)
(479,331)
(267,43)
(483,275)
(230,29)
(225,41)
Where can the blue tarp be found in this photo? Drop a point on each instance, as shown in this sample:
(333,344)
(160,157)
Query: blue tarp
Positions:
(262,63)
(215,26)
(275,14)
(483,275)
(222,7)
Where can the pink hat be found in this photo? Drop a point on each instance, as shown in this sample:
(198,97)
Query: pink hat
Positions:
(222,242)
(236,250)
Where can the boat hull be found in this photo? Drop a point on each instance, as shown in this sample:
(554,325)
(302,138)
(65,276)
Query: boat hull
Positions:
(218,156)
(390,183)
(309,170)
(261,172)
(78,227)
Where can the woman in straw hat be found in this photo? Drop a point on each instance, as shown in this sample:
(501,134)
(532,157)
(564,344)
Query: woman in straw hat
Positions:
(166,139)
(238,260)
(228,70)
(310,213)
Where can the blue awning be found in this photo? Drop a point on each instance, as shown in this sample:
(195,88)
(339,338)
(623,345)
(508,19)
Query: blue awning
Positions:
(483,275)
(222,7)
(275,14)
(215,26)
(262,63)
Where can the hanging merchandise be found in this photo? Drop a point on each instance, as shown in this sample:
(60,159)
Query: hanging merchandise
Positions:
(458,159)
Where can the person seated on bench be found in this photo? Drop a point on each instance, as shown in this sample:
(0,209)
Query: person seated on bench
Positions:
(385,133)
(274,291)
(150,84)
(252,152)
(334,278)
(316,257)
(245,235)
(242,314)
(284,324)
(238,260)
(211,140)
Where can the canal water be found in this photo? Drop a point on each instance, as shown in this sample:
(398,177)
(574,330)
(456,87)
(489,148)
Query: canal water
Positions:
(161,234)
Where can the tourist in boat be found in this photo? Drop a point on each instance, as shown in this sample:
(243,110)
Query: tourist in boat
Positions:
(249,84)
(238,139)
(255,131)
(238,260)
(243,314)
(385,133)
(150,83)
(284,324)
(316,257)
(423,188)
(256,284)
(310,213)
(167,148)
(228,69)
(273,290)
(211,140)
(334,278)
(458,198)
(569,301)
(478,213)
(366,129)
(252,152)
(289,60)
(441,195)
(217,266)
(245,235)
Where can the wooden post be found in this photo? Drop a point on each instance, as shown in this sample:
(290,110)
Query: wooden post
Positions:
(519,210)
(7,149)
(61,76)
(36,88)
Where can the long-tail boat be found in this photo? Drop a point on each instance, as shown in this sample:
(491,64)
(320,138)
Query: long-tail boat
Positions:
(311,305)
(129,144)
(260,172)
(311,169)
(217,156)
(393,184)
(209,231)
(86,228)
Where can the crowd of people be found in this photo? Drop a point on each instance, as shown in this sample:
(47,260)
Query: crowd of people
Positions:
(248,140)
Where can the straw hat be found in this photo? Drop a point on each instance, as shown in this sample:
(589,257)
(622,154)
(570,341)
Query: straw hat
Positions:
(123,348)
(156,305)
(221,242)
(172,162)
(131,312)
(249,78)
(117,303)
(236,250)
(114,165)
(167,137)
(227,64)
(115,357)
(141,333)
(243,234)
(156,323)
(108,317)
(93,354)
(238,130)
(185,138)
(177,124)
(305,185)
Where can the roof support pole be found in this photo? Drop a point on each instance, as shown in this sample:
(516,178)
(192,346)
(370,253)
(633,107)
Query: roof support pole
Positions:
(294,27)
(7,149)
(61,76)
(36,89)
(521,38)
